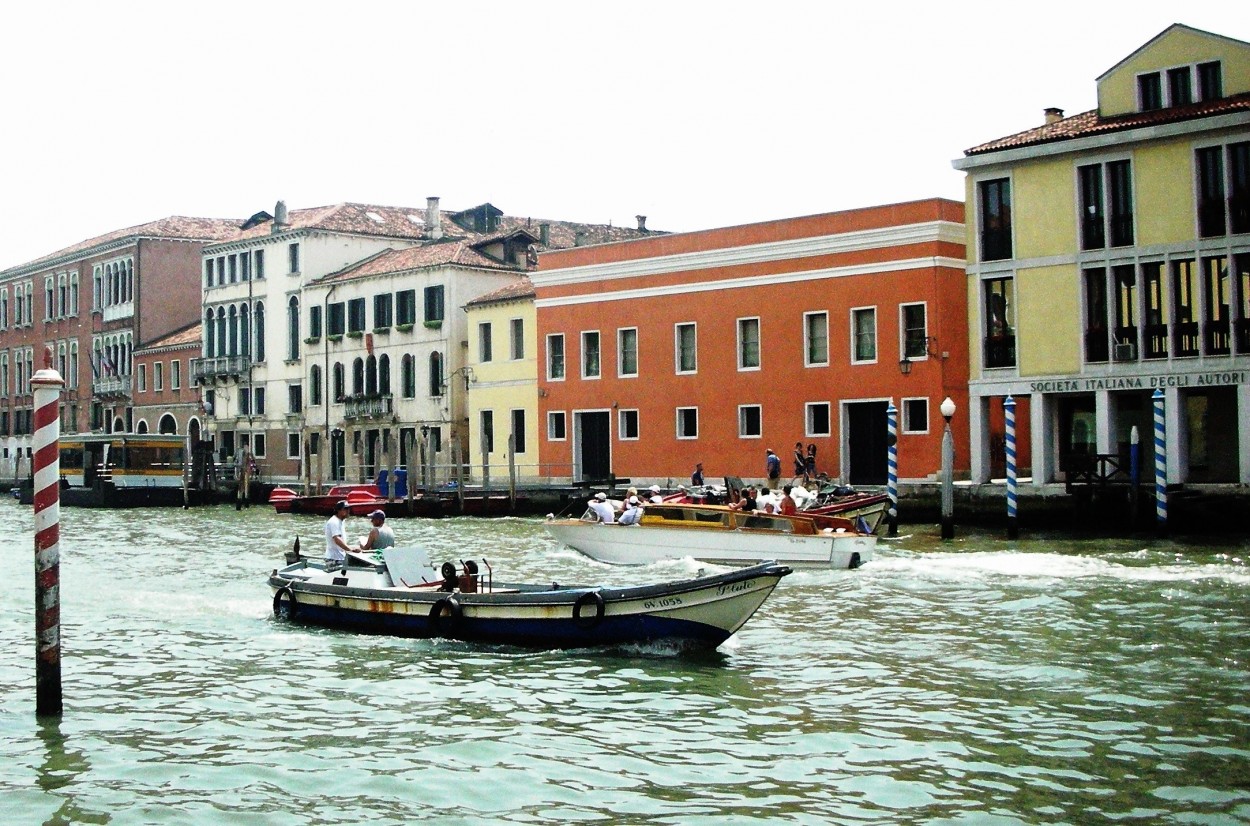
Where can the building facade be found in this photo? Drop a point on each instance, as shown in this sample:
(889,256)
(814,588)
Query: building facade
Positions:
(1109,258)
(712,346)
(165,400)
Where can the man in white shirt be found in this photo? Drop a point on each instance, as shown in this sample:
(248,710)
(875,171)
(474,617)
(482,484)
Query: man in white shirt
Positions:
(655,497)
(336,536)
(633,511)
(602,509)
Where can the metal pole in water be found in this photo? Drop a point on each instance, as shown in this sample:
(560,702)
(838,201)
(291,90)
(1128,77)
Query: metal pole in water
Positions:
(1134,471)
(1161,466)
(891,465)
(948,471)
(1009,411)
(46,386)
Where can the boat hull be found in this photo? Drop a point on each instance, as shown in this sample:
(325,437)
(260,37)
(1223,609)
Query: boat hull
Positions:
(695,613)
(641,545)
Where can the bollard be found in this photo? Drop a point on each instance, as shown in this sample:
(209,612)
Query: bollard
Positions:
(1009,412)
(46,386)
(891,465)
(1161,466)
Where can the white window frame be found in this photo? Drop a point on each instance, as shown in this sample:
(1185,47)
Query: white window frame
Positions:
(564,355)
(158,376)
(485,342)
(807,338)
(694,326)
(175,374)
(620,353)
(902,330)
(620,424)
(581,361)
(759,344)
(876,338)
(742,434)
(516,339)
(298,445)
(143,378)
(808,431)
(677,423)
(552,416)
(905,419)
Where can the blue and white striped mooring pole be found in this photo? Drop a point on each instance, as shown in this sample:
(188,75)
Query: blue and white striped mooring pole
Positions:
(1161,465)
(891,465)
(1009,411)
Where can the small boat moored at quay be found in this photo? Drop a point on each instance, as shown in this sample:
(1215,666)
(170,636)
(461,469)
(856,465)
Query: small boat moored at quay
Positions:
(718,534)
(401,594)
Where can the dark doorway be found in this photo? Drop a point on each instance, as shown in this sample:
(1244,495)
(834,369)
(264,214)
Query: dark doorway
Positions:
(594,448)
(1077,432)
(338,456)
(866,443)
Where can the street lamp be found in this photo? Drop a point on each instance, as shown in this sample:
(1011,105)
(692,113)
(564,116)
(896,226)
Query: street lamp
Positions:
(948,468)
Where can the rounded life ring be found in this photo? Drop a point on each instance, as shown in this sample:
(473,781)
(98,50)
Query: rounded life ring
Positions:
(855,562)
(291,604)
(585,600)
(441,624)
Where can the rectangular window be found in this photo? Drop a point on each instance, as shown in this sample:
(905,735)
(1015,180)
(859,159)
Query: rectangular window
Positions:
(1093,219)
(555,357)
(295,398)
(627,424)
(1211,192)
(1149,92)
(406,307)
(750,421)
(355,315)
(209,275)
(627,351)
(1241,318)
(485,345)
(995,219)
(143,378)
(175,374)
(258,445)
(434,303)
(382,311)
(1106,199)
(516,337)
(1000,332)
(258,401)
(686,346)
(245,266)
(1155,293)
(915,415)
(1216,289)
(232,264)
(915,331)
(73,293)
(518,431)
(245,401)
(864,335)
(158,376)
(1210,81)
(1185,293)
(1180,86)
(487,443)
(748,344)
(590,355)
(314,321)
(817,418)
(816,339)
(1097,336)
(258,263)
(335,319)
(555,426)
(48,299)
(292,445)
(292,253)
(1120,190)
(687,423)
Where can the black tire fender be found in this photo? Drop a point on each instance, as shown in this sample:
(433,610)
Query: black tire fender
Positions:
(585,601)
(291,603)
(441,624)
(855,561)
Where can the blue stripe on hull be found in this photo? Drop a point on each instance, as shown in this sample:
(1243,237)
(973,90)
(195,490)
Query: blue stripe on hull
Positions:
(540,633)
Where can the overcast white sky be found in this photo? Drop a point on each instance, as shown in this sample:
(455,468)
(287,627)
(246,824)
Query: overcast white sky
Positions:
(694,114)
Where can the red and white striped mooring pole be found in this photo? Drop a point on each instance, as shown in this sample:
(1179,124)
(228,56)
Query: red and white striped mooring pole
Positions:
(46,385)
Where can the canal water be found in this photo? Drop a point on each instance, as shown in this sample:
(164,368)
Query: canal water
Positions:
(978,681)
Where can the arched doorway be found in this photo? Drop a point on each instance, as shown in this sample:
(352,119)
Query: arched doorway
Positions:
(119,425)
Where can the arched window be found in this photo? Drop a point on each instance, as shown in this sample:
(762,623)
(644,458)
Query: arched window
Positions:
(221,331)
(232,326)
(358,377)
(384,374)
(168,424)
(119,426)
(245,331)
(142,426)
(339,390)
(436,373)
(408,376)
(314,385)
(259,321)
(210,335)
(371,376)
(292,328)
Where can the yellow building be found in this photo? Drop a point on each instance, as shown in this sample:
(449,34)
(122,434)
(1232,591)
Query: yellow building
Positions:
(502,382)
(1109,257)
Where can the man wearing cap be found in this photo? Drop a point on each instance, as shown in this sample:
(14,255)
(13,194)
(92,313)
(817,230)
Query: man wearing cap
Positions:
(633,511)
(381,536)
(602,509)
(655,498)
(336,536)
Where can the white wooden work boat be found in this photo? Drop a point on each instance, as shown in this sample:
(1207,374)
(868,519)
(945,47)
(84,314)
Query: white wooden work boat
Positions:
(719,535)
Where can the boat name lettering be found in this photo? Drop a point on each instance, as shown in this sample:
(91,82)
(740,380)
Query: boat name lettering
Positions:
(662,602)
(1142,382)
(735,587)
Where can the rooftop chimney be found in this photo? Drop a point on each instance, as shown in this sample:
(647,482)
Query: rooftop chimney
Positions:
(1053,114)
(544,234)
(433,219)
(642,223)
(280,221)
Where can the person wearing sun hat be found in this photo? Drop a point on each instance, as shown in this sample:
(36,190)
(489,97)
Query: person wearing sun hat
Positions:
(381,536)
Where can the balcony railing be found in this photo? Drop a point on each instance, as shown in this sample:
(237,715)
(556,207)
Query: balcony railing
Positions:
(1000,351)
(368,407)
(111,386)
(218,367)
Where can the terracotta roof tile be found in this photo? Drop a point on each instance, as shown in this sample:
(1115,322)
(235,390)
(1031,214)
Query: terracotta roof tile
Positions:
(519,289)
(359,219)
(175,226)
(1091,123)
(433,254)
(193,334)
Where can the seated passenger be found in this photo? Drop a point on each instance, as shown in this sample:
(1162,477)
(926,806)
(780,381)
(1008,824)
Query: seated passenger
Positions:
(602,509)
(633,512)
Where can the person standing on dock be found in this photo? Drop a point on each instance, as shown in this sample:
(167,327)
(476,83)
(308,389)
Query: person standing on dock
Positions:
(772,468)
(696,478)
(336,536)
(381,536)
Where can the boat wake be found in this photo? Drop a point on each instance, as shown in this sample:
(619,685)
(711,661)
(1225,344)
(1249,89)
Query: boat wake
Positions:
(1135,567)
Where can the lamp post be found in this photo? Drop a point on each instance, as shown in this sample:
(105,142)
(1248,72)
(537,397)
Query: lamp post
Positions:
(948,469)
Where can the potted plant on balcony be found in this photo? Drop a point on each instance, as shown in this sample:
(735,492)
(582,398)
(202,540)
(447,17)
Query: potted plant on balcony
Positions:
(381,330)
(404,328)
(355,333)
(434,324)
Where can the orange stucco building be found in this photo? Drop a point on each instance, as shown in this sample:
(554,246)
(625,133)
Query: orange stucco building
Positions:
(712,346)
